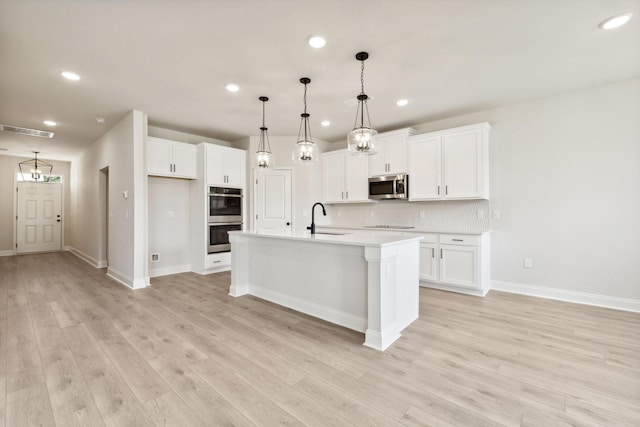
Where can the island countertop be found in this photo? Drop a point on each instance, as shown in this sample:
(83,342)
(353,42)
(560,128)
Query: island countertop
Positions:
(354,238)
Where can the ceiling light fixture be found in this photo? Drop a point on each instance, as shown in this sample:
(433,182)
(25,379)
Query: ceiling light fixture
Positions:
(361,140)
(402,102)
(325,123)
(616,21)
(264,158)
(35,167)
(101,120)
(317,41)
(70,75)
(306,150)
(232,87)
(49,123)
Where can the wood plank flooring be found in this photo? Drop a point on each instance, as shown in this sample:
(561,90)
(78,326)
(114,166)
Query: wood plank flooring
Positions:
(78,349)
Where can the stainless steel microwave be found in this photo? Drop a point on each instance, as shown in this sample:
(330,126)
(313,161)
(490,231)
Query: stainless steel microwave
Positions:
(389,187)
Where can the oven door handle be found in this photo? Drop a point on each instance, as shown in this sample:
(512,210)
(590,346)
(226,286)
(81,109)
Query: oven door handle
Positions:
(225,195)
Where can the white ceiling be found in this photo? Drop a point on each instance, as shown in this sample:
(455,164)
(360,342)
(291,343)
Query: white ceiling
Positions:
(171,60)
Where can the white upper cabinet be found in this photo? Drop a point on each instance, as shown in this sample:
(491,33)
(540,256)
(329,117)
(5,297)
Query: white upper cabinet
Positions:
(171,158)
(392,153)
(225,166)
(345,177)
(451,164)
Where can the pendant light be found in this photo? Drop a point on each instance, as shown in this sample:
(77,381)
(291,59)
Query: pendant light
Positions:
(264,158)
(361,140)
(306,150)
(35,167)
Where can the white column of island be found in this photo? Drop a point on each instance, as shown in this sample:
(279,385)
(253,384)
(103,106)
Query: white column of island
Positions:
(363,281)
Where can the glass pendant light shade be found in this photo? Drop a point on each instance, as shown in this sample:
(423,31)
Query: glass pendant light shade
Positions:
(306,151)
(361,141)
(264,157)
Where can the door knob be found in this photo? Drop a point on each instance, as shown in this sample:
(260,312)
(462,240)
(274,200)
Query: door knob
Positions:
(288,223)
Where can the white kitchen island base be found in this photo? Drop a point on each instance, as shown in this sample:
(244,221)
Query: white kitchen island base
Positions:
(365,282)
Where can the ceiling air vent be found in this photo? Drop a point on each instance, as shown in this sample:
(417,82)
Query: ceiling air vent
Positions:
(25,131)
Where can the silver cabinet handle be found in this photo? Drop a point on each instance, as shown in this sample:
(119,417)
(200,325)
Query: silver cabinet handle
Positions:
(441,254)
(342,195)
(446,190)
(433,252)
(217,262)
(438,190)
(457,240)
(347,195)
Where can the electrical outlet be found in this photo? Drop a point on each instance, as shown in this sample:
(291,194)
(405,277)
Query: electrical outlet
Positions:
(372,213)
(422,214)
(496,214)
(304,214)
(155,257)
(528,263)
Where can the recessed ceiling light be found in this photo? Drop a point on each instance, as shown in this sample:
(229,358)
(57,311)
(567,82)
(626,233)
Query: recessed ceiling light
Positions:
(232,87)
(101,120)
(402,102)
(49,123)
(70,75)
(615,21)
(325,123)
(316,41)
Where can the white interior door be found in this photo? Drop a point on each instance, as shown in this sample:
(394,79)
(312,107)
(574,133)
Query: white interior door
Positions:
(39,219)
(273,200)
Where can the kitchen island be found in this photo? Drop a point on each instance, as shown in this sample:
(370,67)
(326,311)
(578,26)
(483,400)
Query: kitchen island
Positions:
(363,281)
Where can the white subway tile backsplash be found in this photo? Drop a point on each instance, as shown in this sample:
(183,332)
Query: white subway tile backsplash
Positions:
(459,216)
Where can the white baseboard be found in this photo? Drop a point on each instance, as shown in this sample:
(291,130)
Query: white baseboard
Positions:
(172,269)
(86,258)
(7,253)
(456,289)
(569,296)
(322,312)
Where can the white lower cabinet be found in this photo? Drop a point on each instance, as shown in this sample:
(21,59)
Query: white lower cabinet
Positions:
(455,262)
(219,260)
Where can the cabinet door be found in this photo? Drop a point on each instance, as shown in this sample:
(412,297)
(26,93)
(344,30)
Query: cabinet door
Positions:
(234,167)
(215,165)
(425,169)
(378,162)
(459,266)
(396,153)
(356,184)
(184,160)
(333,177)
(462,152)
(158,157)
(428,262)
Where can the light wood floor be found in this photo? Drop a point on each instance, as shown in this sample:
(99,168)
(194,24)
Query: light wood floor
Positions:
(79,349)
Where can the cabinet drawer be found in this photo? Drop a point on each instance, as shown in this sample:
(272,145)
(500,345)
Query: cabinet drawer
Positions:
(218,260)
(460,239)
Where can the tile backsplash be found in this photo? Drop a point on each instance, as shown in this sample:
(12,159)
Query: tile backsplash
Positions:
(461,216)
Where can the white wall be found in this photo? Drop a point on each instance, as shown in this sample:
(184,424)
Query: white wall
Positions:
(121,149)
(8,170)
(307,178)
(168,225)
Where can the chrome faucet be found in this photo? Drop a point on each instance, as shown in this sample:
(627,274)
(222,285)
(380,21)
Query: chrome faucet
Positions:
(312,227)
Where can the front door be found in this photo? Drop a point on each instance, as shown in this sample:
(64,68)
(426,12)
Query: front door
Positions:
(39,219)
(273,200)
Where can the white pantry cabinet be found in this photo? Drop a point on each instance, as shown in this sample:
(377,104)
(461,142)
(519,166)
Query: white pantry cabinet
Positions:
(171,158)
(225,166)
(345,178)
(452,164)
(455,262)
(392,153)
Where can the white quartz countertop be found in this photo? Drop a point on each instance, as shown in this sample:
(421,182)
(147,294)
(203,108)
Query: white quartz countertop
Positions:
(338,228)
(357,238)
